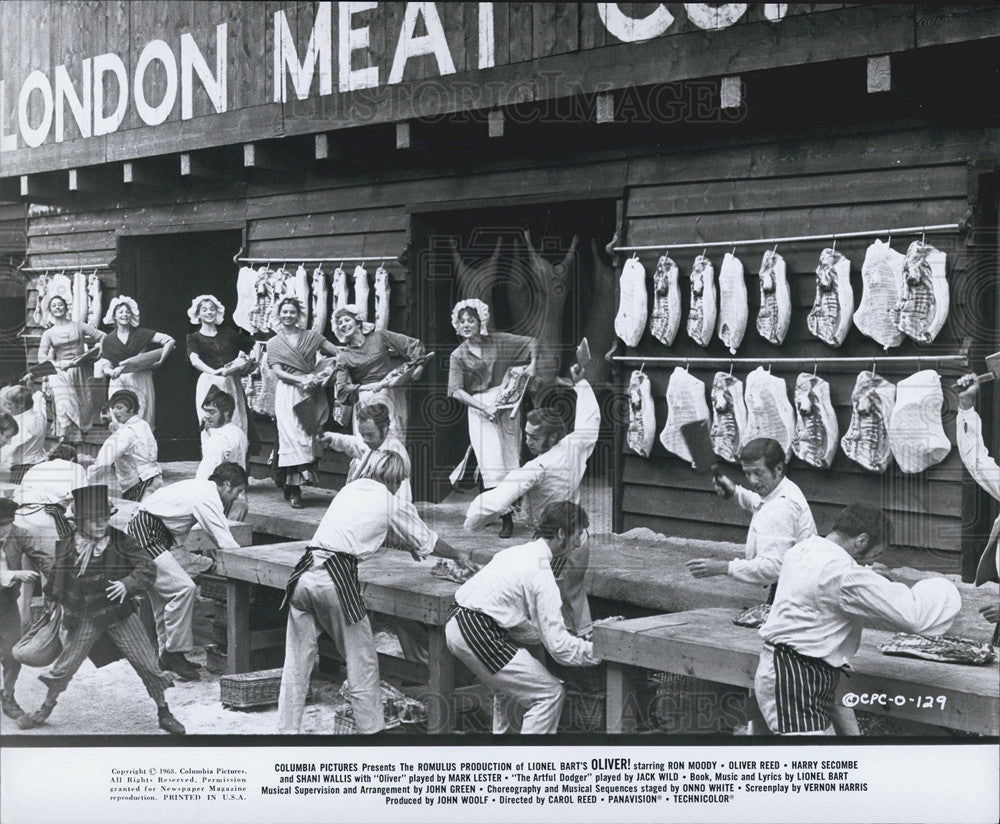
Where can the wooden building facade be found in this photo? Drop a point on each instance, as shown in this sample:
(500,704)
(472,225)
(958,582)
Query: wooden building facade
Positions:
(622,124)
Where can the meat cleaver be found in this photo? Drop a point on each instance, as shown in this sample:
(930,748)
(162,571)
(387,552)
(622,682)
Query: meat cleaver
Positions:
(699,444)
(993,364)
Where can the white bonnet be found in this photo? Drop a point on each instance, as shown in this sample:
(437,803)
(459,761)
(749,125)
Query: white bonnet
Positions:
(476,305)
(196,305)
(109,316)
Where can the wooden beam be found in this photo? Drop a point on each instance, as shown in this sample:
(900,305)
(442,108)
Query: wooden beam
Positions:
(879,74)
(269,157)
(605,107)
(93,179)
(41,188)
(322,146)
(403,135)
(199,166)
(154,173)
(495,121)
(731,92)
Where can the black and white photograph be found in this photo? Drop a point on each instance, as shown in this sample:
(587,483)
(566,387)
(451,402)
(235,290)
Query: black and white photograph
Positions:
(501,406)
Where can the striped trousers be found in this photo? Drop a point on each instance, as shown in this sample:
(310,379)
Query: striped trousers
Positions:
(795,693)
(129,636)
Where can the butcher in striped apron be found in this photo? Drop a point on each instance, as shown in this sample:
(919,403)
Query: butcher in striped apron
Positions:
(323,593)
(512,603)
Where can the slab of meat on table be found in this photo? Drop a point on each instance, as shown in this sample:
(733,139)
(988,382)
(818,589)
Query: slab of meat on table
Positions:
(769,412)
(948,649)
(641,415)
(734,310)
(753,617)
(729,416)
(666,317)
(916,435)
(923,305)
(701,317)
(833,308)
(816,429)
(633,305)
(775,299)
(866,441)
(882,279)
(685,403)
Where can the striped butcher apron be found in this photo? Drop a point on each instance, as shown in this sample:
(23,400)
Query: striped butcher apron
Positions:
(343,571)
(804,690)
(64,528)
(135,493)
(18,471)
(486,638)
(150,533)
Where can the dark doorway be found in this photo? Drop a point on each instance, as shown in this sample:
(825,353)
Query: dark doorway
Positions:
(440,437)
(164,273)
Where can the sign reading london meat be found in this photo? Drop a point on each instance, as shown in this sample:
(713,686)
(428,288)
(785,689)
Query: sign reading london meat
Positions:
(148,76)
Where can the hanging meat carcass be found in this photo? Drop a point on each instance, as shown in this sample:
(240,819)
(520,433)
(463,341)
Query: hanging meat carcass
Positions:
(833,308)
(361,290)
(477,282)
(769,413)
(729,416)
(340,292)
(701,317)
(553,282)
(94,299)
(923,304)
(383,291)
(246,299)
(775,299)
(816,429)
(666,317)
(882,279)
(867,439)
(734,309)
(641,415)
(685,403)
(599,326)
(41,293)
(78,311)
(916,436)
(633,303)
(320,301)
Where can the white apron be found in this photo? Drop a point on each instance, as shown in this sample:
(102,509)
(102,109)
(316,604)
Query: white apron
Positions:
(497,445)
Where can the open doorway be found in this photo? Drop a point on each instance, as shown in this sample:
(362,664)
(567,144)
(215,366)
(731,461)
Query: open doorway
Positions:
(516,306)
(164,273)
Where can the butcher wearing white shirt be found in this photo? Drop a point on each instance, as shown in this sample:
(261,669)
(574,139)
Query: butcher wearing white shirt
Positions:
(553,475)
(164,520)
(225,442)
(131,450)
(824,599)
(323,593)
(27,447)
(514,601)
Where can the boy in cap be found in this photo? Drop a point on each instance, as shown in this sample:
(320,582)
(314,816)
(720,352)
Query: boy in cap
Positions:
(225,442)
(96,570)
(11,579)
(131,450)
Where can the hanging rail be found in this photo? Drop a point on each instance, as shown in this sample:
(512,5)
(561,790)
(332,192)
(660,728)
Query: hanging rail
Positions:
(74,267)
(766,241)
(293,259)
(961,359)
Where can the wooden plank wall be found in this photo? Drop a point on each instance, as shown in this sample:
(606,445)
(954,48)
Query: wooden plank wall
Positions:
(808,192)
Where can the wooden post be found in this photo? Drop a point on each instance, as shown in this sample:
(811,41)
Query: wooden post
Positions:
(237,626)
(621,686)
(322,146)
(605,107)
(402,135)
(879,74)
(731,92)
(441,682)
(495,122)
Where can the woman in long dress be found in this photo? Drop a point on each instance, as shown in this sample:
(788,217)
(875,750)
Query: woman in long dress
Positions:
(62,343)
(367,357)
(119,351)
(216,354)
(300,406)
(475,374)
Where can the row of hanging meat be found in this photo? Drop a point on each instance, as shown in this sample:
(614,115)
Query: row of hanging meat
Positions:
(82,294)
(320,295)
(901,421)
(903,295)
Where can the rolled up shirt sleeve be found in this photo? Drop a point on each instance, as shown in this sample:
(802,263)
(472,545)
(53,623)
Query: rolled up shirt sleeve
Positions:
(972,450)
(406,523)
(928,608)
(747,499)
(545,604)
(350,445)
(775,530)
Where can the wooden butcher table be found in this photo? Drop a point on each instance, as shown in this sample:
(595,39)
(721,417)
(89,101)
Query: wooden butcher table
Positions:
(392,583)
(705,643)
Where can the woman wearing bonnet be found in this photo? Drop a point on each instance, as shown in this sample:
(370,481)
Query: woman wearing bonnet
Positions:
(475,374)
(220,356)
(129,354)
(63,342)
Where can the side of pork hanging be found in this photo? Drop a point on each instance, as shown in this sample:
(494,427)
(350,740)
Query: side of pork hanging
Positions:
(476,281)
(78,310)
(833,308)
(866,441)
(666,317)
(246,299)
(361,290)
(916,436)
(769,412)
(641,415)
(882,276)
(729,416)
(599,326)
(734,309)
(553,282)
(633,306)
(685,403)
(701,317)
(775,313)
(320,301)
(340,292)
(816,429)
(923,304)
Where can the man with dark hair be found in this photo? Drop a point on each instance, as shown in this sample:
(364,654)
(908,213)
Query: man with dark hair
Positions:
(824,599)
(225,443)
(25,446)
(95,571)
(554,474)
(374,432)
(514,602)
(163,520)
(11,578)
(130,450)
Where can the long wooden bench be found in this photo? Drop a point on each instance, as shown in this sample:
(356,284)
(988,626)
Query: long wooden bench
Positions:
(392,583)
(705,643)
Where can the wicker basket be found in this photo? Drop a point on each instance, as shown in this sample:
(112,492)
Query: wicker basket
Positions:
(250,689)
(684,704)
(584,711)
(343,721)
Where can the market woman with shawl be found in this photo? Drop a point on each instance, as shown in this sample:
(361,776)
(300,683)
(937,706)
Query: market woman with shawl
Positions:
(475,374)
(300,406)
(367,357)
(62,343)
(129,355)
(220,356)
